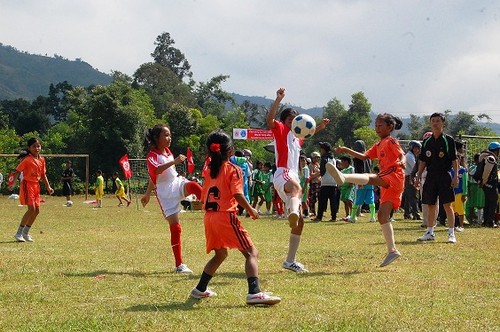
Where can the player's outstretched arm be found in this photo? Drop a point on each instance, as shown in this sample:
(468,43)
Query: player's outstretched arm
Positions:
(280,94)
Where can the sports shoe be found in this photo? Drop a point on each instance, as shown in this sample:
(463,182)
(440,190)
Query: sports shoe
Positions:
(19,237)
(373,220)
(27,237)
(350,219)
(335,173)
(196,294)
(294,266)
(459,229)
(263,298)
(452,238)
(182,268)
(293,219)
(390,257)
(426,237)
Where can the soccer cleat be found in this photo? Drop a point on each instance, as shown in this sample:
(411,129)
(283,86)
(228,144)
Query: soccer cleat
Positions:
(293,219)
(373,220)
(459,229)
(295,267)
(196,294)
(390,257)
(27,238)
(263,298)
(452,238)
(426,237)
(19,237)
(182,268)
(335,173)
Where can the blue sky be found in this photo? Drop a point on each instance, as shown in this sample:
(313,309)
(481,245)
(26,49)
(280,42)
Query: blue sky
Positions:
(408,57)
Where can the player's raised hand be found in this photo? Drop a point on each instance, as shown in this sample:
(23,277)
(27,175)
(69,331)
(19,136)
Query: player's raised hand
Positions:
(280,94)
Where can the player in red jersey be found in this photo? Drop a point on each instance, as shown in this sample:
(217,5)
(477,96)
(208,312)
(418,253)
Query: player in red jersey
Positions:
(286,178)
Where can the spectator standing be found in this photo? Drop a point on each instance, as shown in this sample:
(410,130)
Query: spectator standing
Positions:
(365,193)
(460,194)
(475,202)
(315,182)
(489,183)
(347,190)
(67,179)
(329,190)
(410,192)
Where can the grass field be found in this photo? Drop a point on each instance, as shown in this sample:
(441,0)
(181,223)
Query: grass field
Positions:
(111,269)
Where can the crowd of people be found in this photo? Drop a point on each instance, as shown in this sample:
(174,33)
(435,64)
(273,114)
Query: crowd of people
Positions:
(430,177)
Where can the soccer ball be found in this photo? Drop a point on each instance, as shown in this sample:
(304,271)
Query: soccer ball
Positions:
(303,126)
(69,203)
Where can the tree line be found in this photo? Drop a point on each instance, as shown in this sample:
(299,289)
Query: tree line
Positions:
(108,121)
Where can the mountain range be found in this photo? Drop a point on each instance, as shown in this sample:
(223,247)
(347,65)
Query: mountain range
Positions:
(27,76)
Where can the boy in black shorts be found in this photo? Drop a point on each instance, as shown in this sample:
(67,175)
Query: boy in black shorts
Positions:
(439,155)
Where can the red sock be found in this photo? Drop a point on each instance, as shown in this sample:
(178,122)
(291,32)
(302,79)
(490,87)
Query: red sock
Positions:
(192,187)
(175,241)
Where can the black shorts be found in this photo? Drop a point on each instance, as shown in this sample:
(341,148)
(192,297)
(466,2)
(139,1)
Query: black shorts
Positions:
(438,185)
(66,188)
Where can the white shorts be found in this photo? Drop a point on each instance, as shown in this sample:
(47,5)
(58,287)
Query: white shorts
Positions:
(170,195)
(281,177)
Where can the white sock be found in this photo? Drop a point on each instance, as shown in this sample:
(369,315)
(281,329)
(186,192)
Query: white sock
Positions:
(294,205)
(388,236)
(20,230)
(451,231)
(293,246)
(430,230)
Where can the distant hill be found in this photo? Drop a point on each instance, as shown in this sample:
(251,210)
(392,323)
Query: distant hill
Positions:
(24,75)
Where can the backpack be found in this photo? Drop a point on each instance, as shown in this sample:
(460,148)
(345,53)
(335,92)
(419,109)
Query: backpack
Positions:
(477,174)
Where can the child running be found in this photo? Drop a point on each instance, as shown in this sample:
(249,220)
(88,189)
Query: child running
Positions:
(170,188)
(286,178)
(120,191)
(390,178)
(32,166)
(221,194)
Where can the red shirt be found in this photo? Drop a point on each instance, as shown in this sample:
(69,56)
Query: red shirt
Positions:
(32,168)
(387,151)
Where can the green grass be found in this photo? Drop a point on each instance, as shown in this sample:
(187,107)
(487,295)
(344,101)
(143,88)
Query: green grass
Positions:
(110,269)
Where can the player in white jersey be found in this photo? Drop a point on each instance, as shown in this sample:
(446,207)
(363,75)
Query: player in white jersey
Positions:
(170,188)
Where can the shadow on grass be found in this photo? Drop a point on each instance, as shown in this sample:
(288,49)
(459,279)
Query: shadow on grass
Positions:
(189,304)
(98,273)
